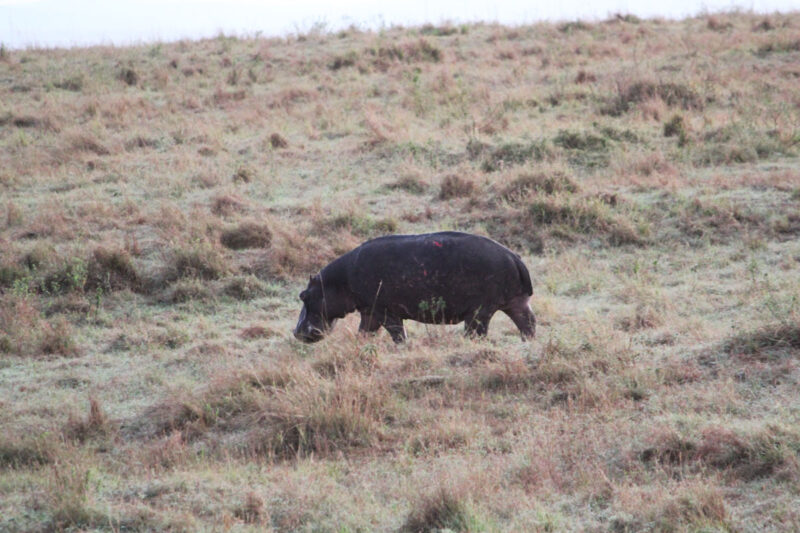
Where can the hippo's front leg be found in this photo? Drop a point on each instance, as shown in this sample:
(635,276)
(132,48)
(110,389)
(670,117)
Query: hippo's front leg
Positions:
(369,323)
(395,328)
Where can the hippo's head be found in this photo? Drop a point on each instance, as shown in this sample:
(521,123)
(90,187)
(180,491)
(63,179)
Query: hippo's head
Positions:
(315,317)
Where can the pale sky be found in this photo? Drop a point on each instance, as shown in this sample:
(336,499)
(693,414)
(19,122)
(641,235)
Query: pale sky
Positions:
(50,23)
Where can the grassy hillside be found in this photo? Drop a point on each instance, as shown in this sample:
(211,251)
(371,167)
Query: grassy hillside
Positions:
(163,205)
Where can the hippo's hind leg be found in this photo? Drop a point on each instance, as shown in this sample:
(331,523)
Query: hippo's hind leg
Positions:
(478,323)
(395,328)
(520,313)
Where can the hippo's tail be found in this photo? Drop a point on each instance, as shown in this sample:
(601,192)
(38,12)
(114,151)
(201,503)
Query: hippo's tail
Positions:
(524,276)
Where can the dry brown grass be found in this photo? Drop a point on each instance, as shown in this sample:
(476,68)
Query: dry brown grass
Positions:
(164,204)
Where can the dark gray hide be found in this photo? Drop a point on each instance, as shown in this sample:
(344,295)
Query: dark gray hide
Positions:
(435,278)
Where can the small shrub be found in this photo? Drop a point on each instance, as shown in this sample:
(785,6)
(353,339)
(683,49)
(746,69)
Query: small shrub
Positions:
(276,140)
(779,47)
(243,174)
(56,338)
(409,183)
(245,288)
(40,256)
(13,275)
(545,182)
(573,140)
(583,216)
(187,290)
(70,276)
(129,76)
(361,225)
(585,77)
(438,31)
(247,235)
(672,94)
(444,509)
(26,451)
(506,154)
(201,261)
(759,454)
(347,60)
(716,24)
(253,511)
(139,141)
(96,424)
(74,84)
(227,205)
(421,50)
(571,27)
(675,127)
(66,497)
(782,336)
(20,324)
(86,142)
(110,270)
(700,506)
(13,215)
(454,186)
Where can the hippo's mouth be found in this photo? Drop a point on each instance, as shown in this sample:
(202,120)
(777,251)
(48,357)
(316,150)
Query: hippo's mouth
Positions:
(308,338)
(309,334)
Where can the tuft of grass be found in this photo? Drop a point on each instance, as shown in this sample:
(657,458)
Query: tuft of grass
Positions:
(779,47)
(348,59)
(672,94)
(202,261)
(766,340)
(421,50)
(493,159)
(27,451)
(542,182)
(743,455)
(676,127)
(74,83)
(111,269)
(227,205)
(245,288)
(443,510)
(69,276)
(454,186)
(410,183)
(95,425)
(243,174)
(67,496)
(253,510)
(582,216)
(247,235)
(56,338)
(360,224)
(128,76)
(188,290)
(285,411)
(276,140)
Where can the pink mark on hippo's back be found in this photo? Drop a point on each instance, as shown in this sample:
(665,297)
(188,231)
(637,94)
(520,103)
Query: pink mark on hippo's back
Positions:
(437,243)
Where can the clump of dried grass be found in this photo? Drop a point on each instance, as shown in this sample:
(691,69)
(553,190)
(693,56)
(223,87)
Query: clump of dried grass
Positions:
(454,186)
(284,411)
(248,234)
(442,509)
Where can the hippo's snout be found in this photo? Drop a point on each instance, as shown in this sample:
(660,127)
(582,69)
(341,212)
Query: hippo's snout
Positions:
(308,334)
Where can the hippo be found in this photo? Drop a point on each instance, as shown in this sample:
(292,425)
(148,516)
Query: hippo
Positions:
(436,278)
